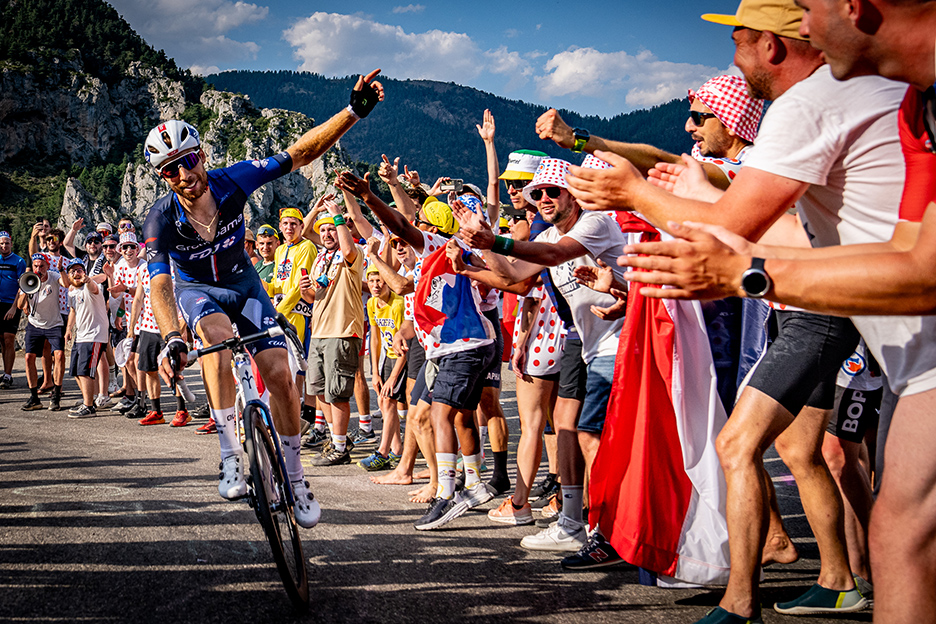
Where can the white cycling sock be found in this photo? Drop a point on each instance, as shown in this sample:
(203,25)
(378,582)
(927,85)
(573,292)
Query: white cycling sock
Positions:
(320,422)
(228,437)
(472,463)
(340,442)
(446,462)
(291,446)
(364,423)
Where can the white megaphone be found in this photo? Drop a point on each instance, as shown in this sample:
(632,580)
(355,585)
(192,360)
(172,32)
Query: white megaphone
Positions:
(29,283)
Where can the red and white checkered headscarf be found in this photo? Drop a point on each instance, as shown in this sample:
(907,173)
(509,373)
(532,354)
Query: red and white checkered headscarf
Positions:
(728,98)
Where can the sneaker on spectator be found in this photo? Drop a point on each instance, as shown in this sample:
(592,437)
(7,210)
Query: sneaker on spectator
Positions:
(55,403)
(32,404)
(77,406)
(306,509)
(202,411)
(181,419)
(6,382)
(101,401)
(866,588)
(136,412)
(333,457)
(315,438)
(153,418)
(112,387)
(375,461)
(544,489)
(597,553)
(82,412)
(553,508)
(543,500)
(473,496)
(232,484)
(441,511)
(720,616)
(563,536)
(507,514)
(394,457)
(123,405)
(360,438)
(304,426)
(819,600)
(207,428)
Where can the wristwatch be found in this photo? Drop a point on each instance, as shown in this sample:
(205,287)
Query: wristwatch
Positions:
(755,282)
(580,136)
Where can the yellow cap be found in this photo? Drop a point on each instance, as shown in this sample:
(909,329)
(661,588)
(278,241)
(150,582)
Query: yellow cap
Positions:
(503,223)
(318,224)
(372,268)
(781,17)
(440,215)
(290,212)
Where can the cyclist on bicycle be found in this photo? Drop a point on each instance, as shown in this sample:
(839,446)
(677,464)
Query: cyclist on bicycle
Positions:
(199,229)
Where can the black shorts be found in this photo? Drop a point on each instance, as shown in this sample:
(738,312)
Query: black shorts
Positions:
(84,358)
(419,391)
(117,336)
(492,375)
(36,338)
(398,393)
(573,373)
(800,366)
(855,413)
(148,345)
(415,358)
(460,380)
(10,326)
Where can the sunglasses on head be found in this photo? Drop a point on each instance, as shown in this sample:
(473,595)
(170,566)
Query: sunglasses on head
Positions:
(170,171)
(517,185)
(698,118)
(552,192)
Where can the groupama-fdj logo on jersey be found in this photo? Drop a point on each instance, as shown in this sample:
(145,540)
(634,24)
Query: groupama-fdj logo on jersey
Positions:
(213,249)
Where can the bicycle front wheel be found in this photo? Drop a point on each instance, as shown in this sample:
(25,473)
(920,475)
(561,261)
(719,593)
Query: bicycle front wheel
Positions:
(275,514)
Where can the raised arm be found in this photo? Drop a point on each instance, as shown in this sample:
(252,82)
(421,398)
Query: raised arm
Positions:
(69,242)
(486,130)
(394,220)
(390,174)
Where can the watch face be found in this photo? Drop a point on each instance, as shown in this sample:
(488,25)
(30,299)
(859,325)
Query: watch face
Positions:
(755,283)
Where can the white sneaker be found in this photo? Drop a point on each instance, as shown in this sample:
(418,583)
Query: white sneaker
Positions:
(113,387)
(101,401)
(473,496)
(232,483)
(307,509)
(563,536)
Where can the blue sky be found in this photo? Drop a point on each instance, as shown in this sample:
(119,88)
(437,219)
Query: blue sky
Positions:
(598,57)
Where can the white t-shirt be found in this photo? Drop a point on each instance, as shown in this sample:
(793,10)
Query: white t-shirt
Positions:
(44,309)
(90,314)
(841,138)
(602,237)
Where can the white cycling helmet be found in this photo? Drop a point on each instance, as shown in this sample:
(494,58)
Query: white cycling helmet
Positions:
(169,141)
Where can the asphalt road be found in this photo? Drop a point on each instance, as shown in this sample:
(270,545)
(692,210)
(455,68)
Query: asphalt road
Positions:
(102,520)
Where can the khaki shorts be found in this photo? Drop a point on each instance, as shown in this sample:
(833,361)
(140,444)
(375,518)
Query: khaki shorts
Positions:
(333,363)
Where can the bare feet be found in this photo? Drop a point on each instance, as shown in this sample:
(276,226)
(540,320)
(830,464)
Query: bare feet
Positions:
(423,494)
(423,474)
(394,477)
(779,549)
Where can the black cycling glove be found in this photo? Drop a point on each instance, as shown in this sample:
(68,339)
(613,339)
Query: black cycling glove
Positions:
(364,101)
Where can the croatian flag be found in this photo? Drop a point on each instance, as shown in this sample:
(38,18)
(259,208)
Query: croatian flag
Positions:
(448,310)
(657,490)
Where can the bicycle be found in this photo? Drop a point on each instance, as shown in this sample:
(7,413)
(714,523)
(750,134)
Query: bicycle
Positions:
(269,491)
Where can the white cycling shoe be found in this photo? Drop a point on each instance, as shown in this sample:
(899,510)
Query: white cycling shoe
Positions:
(306,509)
(232,484)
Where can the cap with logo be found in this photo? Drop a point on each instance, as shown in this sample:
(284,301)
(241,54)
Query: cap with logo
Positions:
(522,164)
(781,17)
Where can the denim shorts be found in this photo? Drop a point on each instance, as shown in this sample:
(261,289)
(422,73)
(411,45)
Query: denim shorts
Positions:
(597,394)
(460,379)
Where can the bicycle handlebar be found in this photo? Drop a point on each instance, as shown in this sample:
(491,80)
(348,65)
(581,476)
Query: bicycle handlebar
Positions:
(234,342)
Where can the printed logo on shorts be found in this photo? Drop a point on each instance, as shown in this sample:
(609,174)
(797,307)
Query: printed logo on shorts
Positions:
(854,365)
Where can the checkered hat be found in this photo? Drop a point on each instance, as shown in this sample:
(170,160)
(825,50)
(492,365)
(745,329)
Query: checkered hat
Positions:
(728,98)
(551,172)
(593,162)
(127,238)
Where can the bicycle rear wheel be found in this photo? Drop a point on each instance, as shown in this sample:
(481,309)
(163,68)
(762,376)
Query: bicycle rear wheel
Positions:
(275,514)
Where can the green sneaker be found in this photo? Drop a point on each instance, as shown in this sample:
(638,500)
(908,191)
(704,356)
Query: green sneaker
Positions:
(375,462)
(394,458)
(720,616)
(818,599)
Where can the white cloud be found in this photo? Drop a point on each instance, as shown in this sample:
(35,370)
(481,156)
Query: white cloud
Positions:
(336,44)
(202,70)
(510,33)
(642,79)
(194,33)
(409,8)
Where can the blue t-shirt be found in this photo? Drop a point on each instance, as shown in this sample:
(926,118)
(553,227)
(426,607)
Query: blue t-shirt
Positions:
(12,268)
(170,237)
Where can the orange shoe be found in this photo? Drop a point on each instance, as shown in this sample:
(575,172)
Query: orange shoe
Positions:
(508,514)
(208,428)
(181,419)
(153,418)
(553,508)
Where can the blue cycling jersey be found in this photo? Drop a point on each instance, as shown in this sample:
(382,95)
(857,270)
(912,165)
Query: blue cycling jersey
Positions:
(170,237)
(11,268)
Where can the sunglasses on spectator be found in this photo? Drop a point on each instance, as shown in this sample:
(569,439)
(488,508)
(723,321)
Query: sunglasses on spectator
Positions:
(399,244)
(112,246)
(52,239)
(517,185)
(170,171)
(131,246)
(698,118)
(552,192)
(126,227)
(424,222)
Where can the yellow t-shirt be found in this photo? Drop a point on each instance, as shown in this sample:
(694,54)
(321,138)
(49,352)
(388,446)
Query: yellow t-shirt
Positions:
(387,319)
(338,311)
(287,264)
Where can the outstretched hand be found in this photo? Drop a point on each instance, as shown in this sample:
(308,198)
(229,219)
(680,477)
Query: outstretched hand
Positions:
(695,265)
(367,92)
(472,228)
(605,189)
(358,187)
(614,311)
(688,180)
(388,171)
(599,278)
(486,129)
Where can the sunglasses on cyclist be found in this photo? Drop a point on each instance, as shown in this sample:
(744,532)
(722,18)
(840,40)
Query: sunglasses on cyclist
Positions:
(189,161)
(516,185)
(552,192)
(698,118)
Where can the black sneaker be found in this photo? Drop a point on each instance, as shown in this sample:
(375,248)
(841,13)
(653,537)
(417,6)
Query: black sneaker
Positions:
(55,403)
(361,438)
(6,382)
(83,412)
(201,412)
(597,553)
(441,511)
(333,457)
(137,411)
(543,500)
(545,488)
(32,404)
(315,438)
